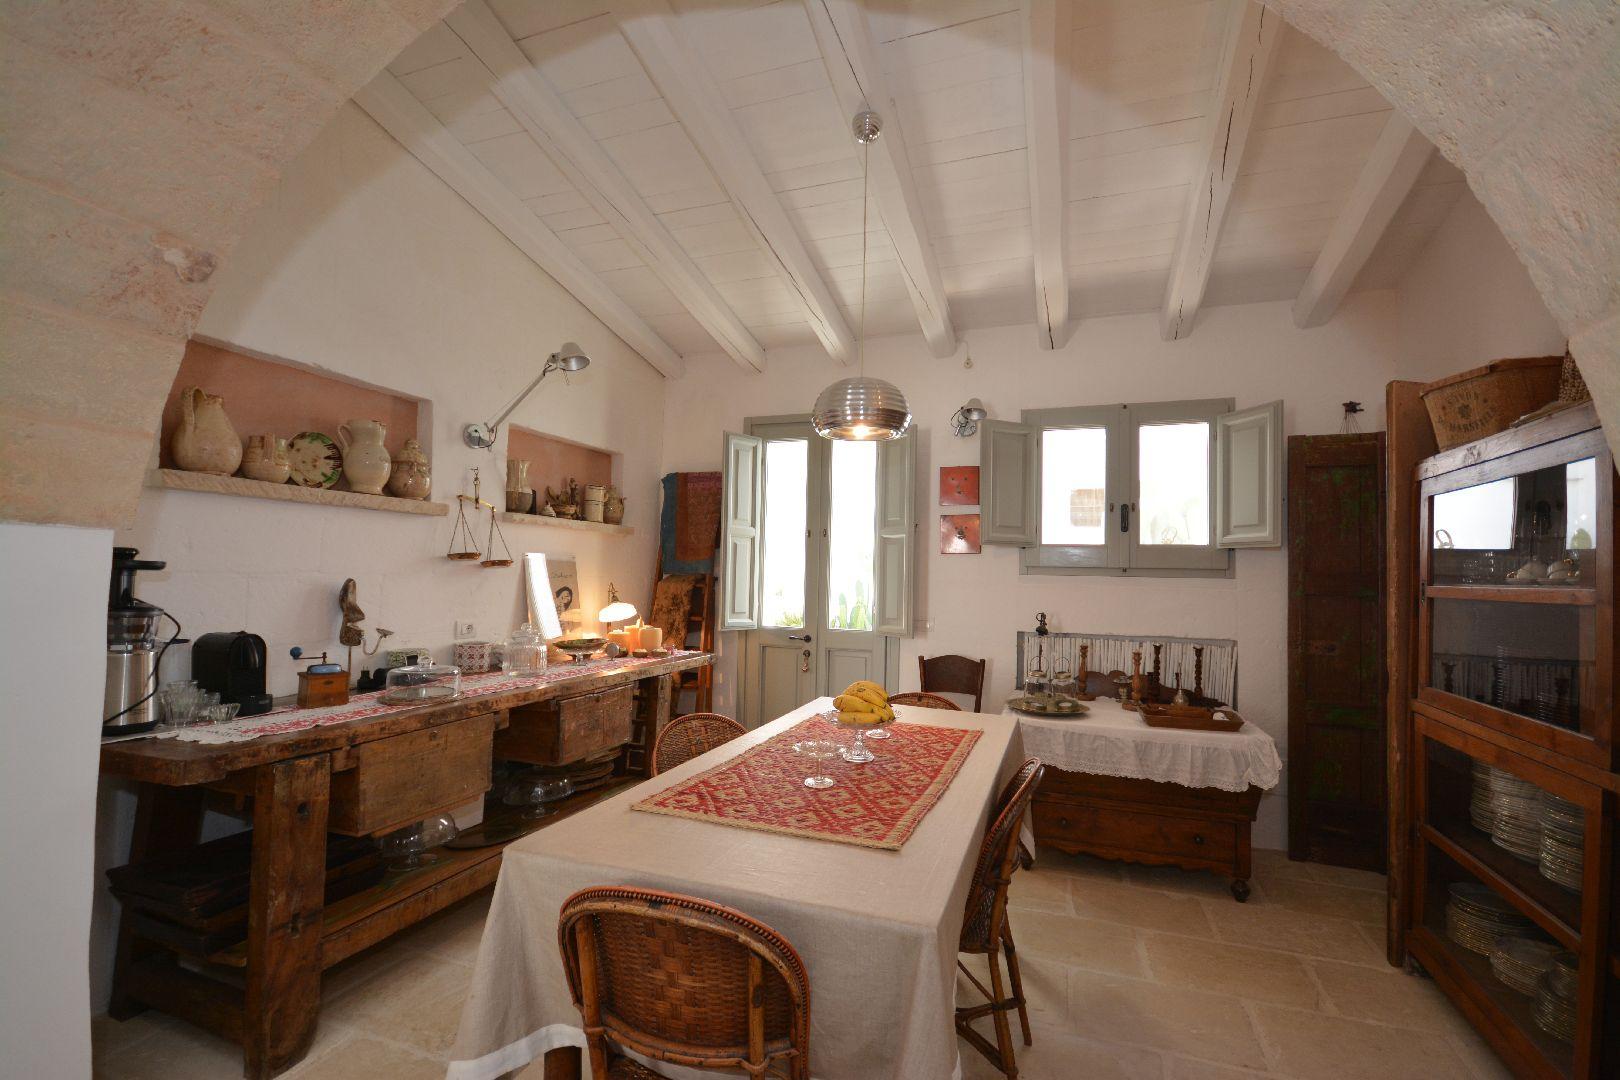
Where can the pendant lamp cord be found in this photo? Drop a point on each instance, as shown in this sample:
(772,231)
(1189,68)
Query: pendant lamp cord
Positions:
(866,176)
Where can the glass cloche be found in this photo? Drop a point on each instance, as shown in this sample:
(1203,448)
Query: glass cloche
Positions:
(422,684)
(407,848)
(525,652)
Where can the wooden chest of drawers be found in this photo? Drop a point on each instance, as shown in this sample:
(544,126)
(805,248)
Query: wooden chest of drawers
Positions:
(569,729)
(1148,822)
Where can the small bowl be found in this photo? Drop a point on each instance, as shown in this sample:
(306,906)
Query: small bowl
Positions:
(581,648)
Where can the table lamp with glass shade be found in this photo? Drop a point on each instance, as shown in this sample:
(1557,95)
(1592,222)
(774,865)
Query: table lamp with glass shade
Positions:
(618,611)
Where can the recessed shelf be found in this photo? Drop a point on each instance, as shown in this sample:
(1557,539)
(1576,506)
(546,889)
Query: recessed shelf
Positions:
(177,480)
(509,518)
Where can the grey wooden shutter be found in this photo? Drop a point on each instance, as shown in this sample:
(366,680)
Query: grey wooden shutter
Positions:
(896,520)
(742,514)
(1249,476)
(1009,472)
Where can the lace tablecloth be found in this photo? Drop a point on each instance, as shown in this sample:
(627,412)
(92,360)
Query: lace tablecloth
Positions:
(1112,741)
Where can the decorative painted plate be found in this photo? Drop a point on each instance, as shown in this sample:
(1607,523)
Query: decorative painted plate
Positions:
(315,459)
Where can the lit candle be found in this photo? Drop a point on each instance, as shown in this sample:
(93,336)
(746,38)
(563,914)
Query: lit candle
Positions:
(632,636)
(652,638)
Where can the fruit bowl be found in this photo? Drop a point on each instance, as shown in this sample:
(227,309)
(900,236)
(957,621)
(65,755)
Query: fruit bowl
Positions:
(582,647)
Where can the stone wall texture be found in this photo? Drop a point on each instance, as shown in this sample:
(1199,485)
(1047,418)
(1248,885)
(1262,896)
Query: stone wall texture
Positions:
(137,136)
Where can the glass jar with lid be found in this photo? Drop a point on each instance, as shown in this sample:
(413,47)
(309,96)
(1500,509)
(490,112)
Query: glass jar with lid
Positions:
(525,652)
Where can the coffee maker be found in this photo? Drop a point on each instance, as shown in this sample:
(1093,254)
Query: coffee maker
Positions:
(232,665)
(129,702)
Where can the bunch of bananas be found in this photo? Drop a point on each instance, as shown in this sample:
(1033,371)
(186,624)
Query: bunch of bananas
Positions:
(863,704)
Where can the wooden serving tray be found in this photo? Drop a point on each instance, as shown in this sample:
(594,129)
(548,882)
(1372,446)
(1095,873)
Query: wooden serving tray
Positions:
(1189,717)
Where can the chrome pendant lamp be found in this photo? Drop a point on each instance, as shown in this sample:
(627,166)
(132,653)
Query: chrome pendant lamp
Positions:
(862,409)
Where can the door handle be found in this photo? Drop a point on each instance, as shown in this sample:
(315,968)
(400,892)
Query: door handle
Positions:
(798,637)
(1124,517)
(804,662)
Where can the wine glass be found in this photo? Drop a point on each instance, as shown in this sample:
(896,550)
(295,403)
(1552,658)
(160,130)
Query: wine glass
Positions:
(817,752)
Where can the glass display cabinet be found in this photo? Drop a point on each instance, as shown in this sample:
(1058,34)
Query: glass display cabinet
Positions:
(1507,808)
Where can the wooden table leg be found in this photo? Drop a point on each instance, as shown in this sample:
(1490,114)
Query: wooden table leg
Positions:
(286,895)
(563,1063)
(653,708)
(166,819)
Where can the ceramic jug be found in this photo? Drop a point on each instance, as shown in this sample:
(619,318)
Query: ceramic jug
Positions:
(205,441)
(411,477)
(366,464)
(266,459)
(613,507)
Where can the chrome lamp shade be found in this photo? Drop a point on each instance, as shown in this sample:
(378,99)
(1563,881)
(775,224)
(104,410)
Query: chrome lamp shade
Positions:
(861,409)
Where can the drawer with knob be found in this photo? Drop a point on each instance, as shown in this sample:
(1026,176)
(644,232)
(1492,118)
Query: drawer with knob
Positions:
(1127,831)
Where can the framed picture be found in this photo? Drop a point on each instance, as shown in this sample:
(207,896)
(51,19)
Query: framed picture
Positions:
(959,485)
(565,592)
(959,534)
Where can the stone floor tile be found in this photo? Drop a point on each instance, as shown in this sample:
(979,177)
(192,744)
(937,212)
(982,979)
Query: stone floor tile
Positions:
(1185,1068)
(1121,903)
(1167,1018)
(1312,1046)
(1086,943)
(1238,970)
(1040,892)
(1316,898)
(172,1048)
(1083,866)
(362,1057)
(1046,987)
(1185,882)
(416,1002)
(452,934)
(1386,995)
(1276,927)
(1057,1055)
(1477,1054)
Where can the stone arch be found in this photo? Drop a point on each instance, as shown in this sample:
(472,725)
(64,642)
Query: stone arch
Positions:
(141,134)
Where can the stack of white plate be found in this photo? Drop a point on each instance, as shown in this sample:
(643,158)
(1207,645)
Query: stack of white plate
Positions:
(1476,917)
(1482,804)
(1555,997)
(1517,826)
(1563,840)
(1520,962)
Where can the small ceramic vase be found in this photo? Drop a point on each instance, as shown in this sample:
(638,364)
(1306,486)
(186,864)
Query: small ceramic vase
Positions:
(613,507)
(518,502)
(205,441)
(266,459)
(517,474)
(410,477)
(366,464)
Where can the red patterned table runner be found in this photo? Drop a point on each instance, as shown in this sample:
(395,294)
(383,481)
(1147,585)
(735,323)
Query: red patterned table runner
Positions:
(877,804)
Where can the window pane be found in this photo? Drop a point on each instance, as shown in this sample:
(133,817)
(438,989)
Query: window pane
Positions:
(851,534)
(787,463)
(1173,483)
(1074,471)
(1478,518)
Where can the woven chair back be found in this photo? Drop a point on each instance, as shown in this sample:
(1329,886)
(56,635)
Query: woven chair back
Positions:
(998,856)
(685,737)
(683,980)
(924,701)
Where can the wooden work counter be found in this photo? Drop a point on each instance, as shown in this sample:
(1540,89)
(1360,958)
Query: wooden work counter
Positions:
(357,778)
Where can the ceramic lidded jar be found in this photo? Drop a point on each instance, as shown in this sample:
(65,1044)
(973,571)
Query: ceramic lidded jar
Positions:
(613,507)
(266,459)
(205,441)
(411,477)
(366,463)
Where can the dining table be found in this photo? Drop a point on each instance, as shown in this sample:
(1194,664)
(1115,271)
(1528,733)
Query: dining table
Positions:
(876,921)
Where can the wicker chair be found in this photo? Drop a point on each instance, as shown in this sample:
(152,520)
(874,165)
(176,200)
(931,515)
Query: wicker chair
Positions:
(985,928)
(683,980)
(951,674)
(685,737)
(924,701)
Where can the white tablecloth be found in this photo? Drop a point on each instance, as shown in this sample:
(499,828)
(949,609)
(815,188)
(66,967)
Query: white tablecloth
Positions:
(878,930)
(1113,741)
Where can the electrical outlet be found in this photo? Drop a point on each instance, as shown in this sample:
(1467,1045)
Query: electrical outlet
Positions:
(465,630)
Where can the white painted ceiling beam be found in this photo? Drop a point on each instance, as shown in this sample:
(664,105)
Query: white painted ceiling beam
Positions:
(547,118)
(394,107)
(1046,124)
(857,80)
(1398,157)
(1251,39)
(652,29)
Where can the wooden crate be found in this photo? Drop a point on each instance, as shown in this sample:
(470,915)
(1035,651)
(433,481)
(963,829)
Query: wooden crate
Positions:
(568,729)
(1485,400)
(400,780)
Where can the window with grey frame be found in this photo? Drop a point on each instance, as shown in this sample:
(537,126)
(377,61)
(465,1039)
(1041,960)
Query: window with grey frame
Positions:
(1158,489)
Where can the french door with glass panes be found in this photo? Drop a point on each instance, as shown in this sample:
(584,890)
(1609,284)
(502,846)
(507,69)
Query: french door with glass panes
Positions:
(817,562)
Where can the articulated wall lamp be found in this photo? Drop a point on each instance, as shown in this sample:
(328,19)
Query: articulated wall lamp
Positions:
(965,420)
(568,358)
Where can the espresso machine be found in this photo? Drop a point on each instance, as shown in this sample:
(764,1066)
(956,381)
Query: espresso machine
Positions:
(129,705)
